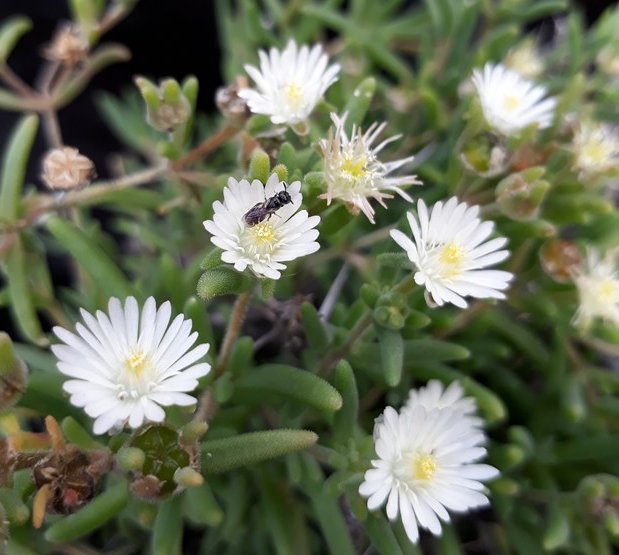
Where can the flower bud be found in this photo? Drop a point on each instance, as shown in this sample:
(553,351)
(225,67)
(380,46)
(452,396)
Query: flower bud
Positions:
(559,259)
(520,195)
(65,169)
(230,104)
(187,477)
(485,155)
(130,458)
(68,47)
(166,105)
(13,373)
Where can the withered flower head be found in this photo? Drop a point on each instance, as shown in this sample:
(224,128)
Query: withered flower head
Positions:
(68,47)
(230,104)
(65,169)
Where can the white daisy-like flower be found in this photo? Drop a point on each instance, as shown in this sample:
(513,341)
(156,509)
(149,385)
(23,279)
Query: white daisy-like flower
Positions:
(596,149)
(526,59)
(353,172)
(127,364)
(289,83)
(426,465)
(598,289)
(450,252)
(282,236)
(509,102)
(435,396)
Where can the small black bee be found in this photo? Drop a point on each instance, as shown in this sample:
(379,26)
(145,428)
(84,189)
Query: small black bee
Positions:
(264,210)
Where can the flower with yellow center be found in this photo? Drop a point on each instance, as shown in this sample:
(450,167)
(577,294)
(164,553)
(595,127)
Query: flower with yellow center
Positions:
(598,289)
(280,237)
(509,102)
(353,172)
(525,59)
(450,251)
(596,149)
(426,465)
(125,365)
(289,83)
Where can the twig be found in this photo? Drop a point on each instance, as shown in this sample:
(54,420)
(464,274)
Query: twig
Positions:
(334,292)
(15,81)
(52,128)
(234,327)
(205,147)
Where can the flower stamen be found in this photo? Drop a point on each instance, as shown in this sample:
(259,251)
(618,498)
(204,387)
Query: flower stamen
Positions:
(423,467)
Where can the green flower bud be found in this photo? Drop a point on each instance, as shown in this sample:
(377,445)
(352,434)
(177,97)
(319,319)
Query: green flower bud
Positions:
(130,458)
(187,477)
(484,155)
(259,166)
(13,373)
(166,106)
(520,195)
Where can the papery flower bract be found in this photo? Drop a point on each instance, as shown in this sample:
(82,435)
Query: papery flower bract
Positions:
(127,364)
(435,396)
(426,465)
(286,235)
(290,82)
(509,102)
(598,289)
(450,251)
(596,149)
(353,172)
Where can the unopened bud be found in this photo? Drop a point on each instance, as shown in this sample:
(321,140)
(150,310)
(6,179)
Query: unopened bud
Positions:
(166,105)
(230,104)
(68,47)
(559,259)
(130,458)
(65,169)
(520,195)
(484,155)
(13,373)
(146,487)
(192,432)
(187,477)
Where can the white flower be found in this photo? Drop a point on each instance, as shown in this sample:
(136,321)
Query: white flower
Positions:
(284,236)
(290,82)
(509,102)
(127,365)
(525,59)
(450,254)
(598,289)
(596,148)
(435,396)
(426,465)
(353,172)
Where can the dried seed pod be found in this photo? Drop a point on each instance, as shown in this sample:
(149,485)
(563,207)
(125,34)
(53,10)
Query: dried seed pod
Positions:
(68,47)
(559,259)
(65,169)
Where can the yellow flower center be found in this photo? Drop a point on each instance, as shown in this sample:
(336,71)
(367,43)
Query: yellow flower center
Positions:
(262,234)
(608,290)
(511,102)
(292,91)
(423,467)
(595,152)
(136,363)
(354,167)
(451,256)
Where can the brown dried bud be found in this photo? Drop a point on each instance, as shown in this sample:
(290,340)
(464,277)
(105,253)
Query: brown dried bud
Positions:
(230,104)
(65,169)
(68,47)
(146,487)
(559,259)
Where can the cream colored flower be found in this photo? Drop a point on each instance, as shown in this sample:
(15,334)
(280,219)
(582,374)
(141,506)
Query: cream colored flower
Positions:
(353,172)
(68,47)
(598,288)
(596,149)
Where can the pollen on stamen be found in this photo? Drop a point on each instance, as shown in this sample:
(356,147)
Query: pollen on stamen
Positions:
(511,102)
(423,467)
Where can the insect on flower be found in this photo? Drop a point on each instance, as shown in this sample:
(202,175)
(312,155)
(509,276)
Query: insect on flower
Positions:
(264,210)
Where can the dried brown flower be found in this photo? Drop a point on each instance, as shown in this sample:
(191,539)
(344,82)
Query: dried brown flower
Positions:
(68,47)
(65,169)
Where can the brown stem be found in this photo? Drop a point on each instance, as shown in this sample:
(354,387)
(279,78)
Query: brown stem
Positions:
(205,147)
(52,129)
(15,81)
(234,327)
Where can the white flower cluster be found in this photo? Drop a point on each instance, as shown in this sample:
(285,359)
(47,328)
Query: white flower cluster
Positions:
(427,461)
